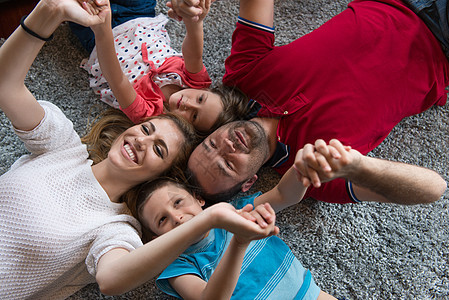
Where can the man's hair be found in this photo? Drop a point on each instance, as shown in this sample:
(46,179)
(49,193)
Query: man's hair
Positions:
(235,106)
(211,199)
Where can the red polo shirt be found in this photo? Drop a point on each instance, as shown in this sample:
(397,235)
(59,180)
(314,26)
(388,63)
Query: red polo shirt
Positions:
(354,78)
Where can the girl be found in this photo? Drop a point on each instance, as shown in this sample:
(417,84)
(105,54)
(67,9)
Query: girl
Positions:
(147,77)
(62,225)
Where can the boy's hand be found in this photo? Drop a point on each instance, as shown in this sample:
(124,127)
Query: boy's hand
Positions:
(264,216)
(321,162)
(242,222)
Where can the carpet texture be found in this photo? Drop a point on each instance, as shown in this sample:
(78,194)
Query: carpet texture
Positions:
(359,251)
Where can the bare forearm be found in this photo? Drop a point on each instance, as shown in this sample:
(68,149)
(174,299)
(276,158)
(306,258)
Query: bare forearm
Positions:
(192,46)
(128,270)
(16,56)
(396,182)
(110,67)
(222,283)
(289,191)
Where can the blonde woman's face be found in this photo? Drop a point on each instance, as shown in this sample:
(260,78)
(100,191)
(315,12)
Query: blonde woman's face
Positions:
(145,151)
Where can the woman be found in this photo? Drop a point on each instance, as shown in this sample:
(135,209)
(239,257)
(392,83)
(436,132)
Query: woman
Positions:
(62,224)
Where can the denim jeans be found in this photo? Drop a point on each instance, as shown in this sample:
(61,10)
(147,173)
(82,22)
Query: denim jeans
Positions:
(435,14)
(122,11)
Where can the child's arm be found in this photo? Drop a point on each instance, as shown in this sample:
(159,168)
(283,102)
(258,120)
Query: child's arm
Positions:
(287,192)
(293,185)
(119,270)
(121,87)
(222,282)
(192,46)
(224,279)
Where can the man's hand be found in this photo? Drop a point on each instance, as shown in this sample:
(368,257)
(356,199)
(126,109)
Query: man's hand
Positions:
(320,162)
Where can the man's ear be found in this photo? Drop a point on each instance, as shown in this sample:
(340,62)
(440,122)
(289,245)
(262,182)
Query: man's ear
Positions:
(249,183)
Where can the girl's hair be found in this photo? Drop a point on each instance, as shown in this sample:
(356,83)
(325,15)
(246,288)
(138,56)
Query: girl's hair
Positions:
(235,106)
(113,122)
(144,192)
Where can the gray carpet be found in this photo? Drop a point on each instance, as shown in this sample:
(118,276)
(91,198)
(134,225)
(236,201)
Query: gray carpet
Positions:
(363,251)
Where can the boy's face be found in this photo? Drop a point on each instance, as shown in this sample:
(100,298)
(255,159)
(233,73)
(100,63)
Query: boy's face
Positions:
(169,207)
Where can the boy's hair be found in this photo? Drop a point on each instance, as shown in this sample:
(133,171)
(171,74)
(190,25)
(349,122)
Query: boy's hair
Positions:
(235,106)
(211,199)
(143,193)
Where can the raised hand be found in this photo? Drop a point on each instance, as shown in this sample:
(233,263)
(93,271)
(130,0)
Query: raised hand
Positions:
(265,217)
(244,222)
(188,9)
(323,162)
(86,13)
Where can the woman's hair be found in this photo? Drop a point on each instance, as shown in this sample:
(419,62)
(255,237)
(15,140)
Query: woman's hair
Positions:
(103,131)
(113,122)
(235,106)
(144,192)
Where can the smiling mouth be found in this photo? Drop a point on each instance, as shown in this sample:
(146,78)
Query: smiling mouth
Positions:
(130,153)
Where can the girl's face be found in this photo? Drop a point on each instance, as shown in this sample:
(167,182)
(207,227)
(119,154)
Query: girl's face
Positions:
(145,151)
(169,207)
(199,107)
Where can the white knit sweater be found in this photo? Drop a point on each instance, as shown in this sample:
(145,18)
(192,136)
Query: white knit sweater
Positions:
(55,219)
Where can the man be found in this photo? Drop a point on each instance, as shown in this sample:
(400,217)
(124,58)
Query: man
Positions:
(354,79)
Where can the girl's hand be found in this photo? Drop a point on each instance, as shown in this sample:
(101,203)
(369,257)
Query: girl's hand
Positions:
(80,12)
(93,8)
(193,10)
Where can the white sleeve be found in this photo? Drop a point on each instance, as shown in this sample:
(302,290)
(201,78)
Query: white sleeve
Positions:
(54,131)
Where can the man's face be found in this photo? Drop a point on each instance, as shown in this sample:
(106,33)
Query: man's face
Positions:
(230,155)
